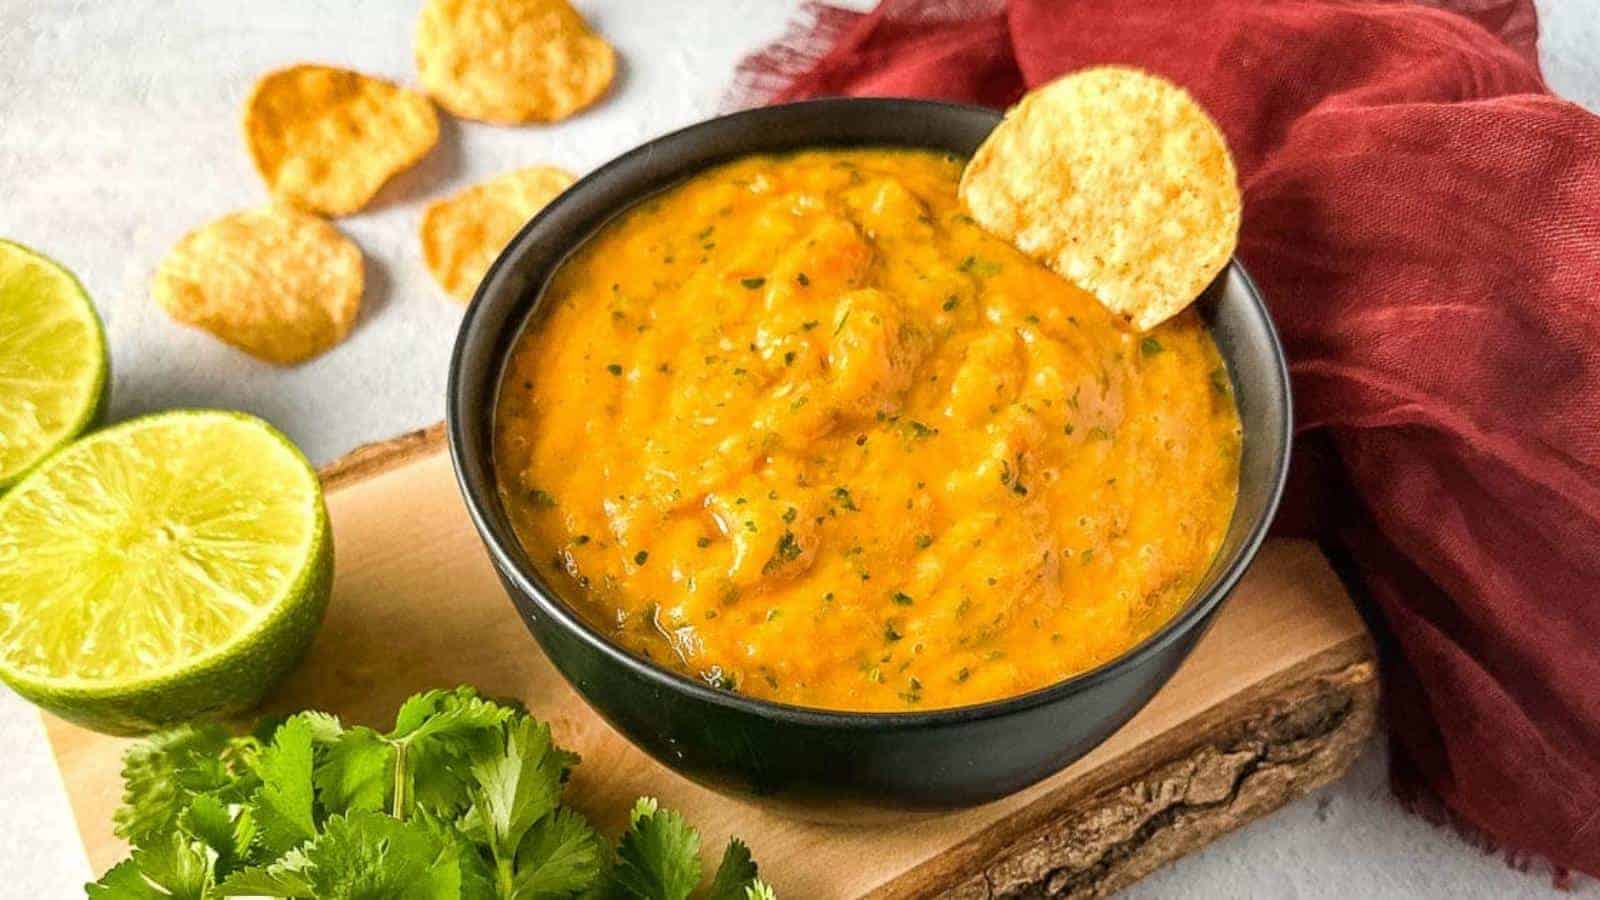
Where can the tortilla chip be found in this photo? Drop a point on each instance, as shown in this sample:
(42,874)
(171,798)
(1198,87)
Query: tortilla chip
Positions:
(280,284)
(462,235)
(1118,181)
(511,61)
(326,139)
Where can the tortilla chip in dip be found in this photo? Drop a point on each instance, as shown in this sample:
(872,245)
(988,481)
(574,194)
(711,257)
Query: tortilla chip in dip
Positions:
(1118,181)
(280,284)
(462,235)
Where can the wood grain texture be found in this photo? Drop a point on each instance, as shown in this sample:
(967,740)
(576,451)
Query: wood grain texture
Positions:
(1276,700)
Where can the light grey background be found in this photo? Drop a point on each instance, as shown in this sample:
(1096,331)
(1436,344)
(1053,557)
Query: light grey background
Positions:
(119,132)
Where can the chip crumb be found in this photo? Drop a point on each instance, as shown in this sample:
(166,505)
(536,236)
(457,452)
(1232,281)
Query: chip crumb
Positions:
(280,284)
(326,139)
(511,61)
(462,235)
(1118,181)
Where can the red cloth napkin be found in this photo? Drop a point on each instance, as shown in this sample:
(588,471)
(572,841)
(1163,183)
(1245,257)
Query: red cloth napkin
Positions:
(1424,219)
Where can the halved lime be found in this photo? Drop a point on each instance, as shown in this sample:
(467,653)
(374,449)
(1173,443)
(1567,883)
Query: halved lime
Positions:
(53,360)
(170,567)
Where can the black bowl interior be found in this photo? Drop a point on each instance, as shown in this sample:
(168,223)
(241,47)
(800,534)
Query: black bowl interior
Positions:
(509,294)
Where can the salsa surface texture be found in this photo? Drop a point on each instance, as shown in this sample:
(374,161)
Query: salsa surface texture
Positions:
(798,427)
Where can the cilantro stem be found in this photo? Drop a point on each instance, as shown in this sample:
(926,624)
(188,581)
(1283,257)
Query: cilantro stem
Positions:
(503,875)
(402,780)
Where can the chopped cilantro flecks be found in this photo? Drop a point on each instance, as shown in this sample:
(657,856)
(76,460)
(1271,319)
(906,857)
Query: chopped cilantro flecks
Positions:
(752,283)
(540,499)
(842,495)
(901,598)
(913,692)
(787,550)
(1150,346)
(982,267)
(614,369)
(640,557)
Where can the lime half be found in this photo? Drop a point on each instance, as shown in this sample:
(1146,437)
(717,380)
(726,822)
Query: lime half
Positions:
(52,360)
(170,567)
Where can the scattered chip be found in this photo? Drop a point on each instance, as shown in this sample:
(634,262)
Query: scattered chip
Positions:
(280,284)
(1118,181)
(326,139)
(511,61)
(462,235)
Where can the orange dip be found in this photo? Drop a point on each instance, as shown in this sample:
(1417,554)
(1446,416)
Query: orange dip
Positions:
(798,427)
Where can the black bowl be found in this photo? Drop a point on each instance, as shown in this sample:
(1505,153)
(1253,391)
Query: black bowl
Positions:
(809,759)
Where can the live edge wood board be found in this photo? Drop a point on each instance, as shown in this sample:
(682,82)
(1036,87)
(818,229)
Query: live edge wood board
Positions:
(1276,700)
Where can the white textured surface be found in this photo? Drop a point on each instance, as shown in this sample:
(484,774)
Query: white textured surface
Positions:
(119,132)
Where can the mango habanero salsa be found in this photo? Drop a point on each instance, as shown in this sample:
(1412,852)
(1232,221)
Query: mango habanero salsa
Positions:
(798,427)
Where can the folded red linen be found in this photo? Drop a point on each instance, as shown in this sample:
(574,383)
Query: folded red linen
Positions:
(1424,220)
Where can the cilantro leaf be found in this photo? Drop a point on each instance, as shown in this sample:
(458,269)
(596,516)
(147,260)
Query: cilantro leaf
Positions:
(283,804)
(457,713)
(356,772)
(285,877)
(365,856)
(517,784)
(560,858)
(370,855)
(228,836)
(435,733)
(173,868)
(643,808)
(659,857)
(435,776)
(735,874)
(123,881)
(163,774)
(325,727)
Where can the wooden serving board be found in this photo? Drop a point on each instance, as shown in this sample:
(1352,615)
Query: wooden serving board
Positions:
(1276,700)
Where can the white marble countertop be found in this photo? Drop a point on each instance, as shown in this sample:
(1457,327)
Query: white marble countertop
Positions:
(119,132)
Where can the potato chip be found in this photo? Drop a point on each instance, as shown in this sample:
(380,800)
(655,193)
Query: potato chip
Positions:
(326,139)
(511,61)
(462,235)
(1118,181)
(280,284)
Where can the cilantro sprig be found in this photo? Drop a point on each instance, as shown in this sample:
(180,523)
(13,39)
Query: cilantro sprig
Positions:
(460,800)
